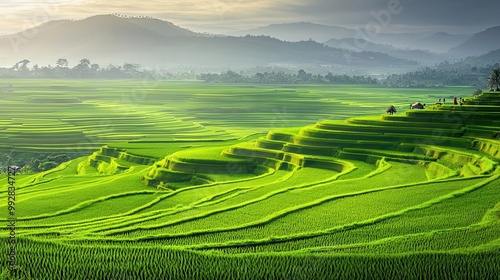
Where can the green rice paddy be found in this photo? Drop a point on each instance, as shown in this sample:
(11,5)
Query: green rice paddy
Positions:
(187,180)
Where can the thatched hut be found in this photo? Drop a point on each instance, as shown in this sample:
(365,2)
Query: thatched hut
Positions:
(417,105)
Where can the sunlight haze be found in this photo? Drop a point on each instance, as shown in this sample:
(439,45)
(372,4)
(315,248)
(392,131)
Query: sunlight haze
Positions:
(220,16)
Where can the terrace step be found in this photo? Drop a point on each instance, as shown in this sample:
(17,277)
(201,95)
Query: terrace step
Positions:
(473,118)
(159,174)
(468,164)
(106,164)
(398,121)
(295,148)
(487,146)
(126,156)
(325,136)
(389,129)
(340,143)
(449,120)
(392,154)
(270,158)
(469,108)
(175,164)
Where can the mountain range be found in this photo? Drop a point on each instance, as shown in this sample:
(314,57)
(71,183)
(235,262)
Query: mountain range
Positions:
(491,58)
(152,42)
(157,43)
(437,42)
(359,45)
(480,43)
(299,31)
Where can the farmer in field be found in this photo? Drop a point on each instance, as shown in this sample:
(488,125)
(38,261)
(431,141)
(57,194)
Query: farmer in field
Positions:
(455,101)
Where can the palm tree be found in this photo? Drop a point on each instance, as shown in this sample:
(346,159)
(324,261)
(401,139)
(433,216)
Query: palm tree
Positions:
(494,79)
(83,68)
(23,67)
(62,62)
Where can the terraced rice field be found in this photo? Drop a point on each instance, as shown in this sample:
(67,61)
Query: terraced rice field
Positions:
(189,189)
(78,117)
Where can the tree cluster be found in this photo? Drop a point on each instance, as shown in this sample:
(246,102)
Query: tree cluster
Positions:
(85,69)
(44,163)
(302,77)
(31,163)
(494,79)
(444,74)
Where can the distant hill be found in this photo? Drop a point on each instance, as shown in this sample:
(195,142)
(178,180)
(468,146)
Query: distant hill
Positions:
(299,31)
(96,36)
(480,43)
(162,27)
(358,45)
(490,58)
(441,41)
(152,42)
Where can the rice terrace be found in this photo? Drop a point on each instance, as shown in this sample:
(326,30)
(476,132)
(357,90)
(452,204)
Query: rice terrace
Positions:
(188,180)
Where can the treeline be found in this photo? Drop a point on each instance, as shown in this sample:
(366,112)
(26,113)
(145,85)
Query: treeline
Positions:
(85,69)
(302,77)
(31,163)
(444,74)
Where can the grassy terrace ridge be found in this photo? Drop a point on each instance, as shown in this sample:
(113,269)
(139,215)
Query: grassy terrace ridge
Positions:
(315,183)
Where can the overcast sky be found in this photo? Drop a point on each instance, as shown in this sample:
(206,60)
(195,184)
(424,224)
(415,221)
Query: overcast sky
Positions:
(455,16)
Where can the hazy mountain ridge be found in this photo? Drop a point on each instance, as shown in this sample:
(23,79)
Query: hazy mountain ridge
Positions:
(439,42)
(359,45)
(299,31)
(480,43)
(491,58)
(152,42)
(442,41)
(435,42)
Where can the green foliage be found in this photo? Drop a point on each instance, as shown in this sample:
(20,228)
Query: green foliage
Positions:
(283,78)
(83,70)
(83,259)
(47,165)
(494,79)
(444,74)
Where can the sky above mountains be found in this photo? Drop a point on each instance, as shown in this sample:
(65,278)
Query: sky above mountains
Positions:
(218,16)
